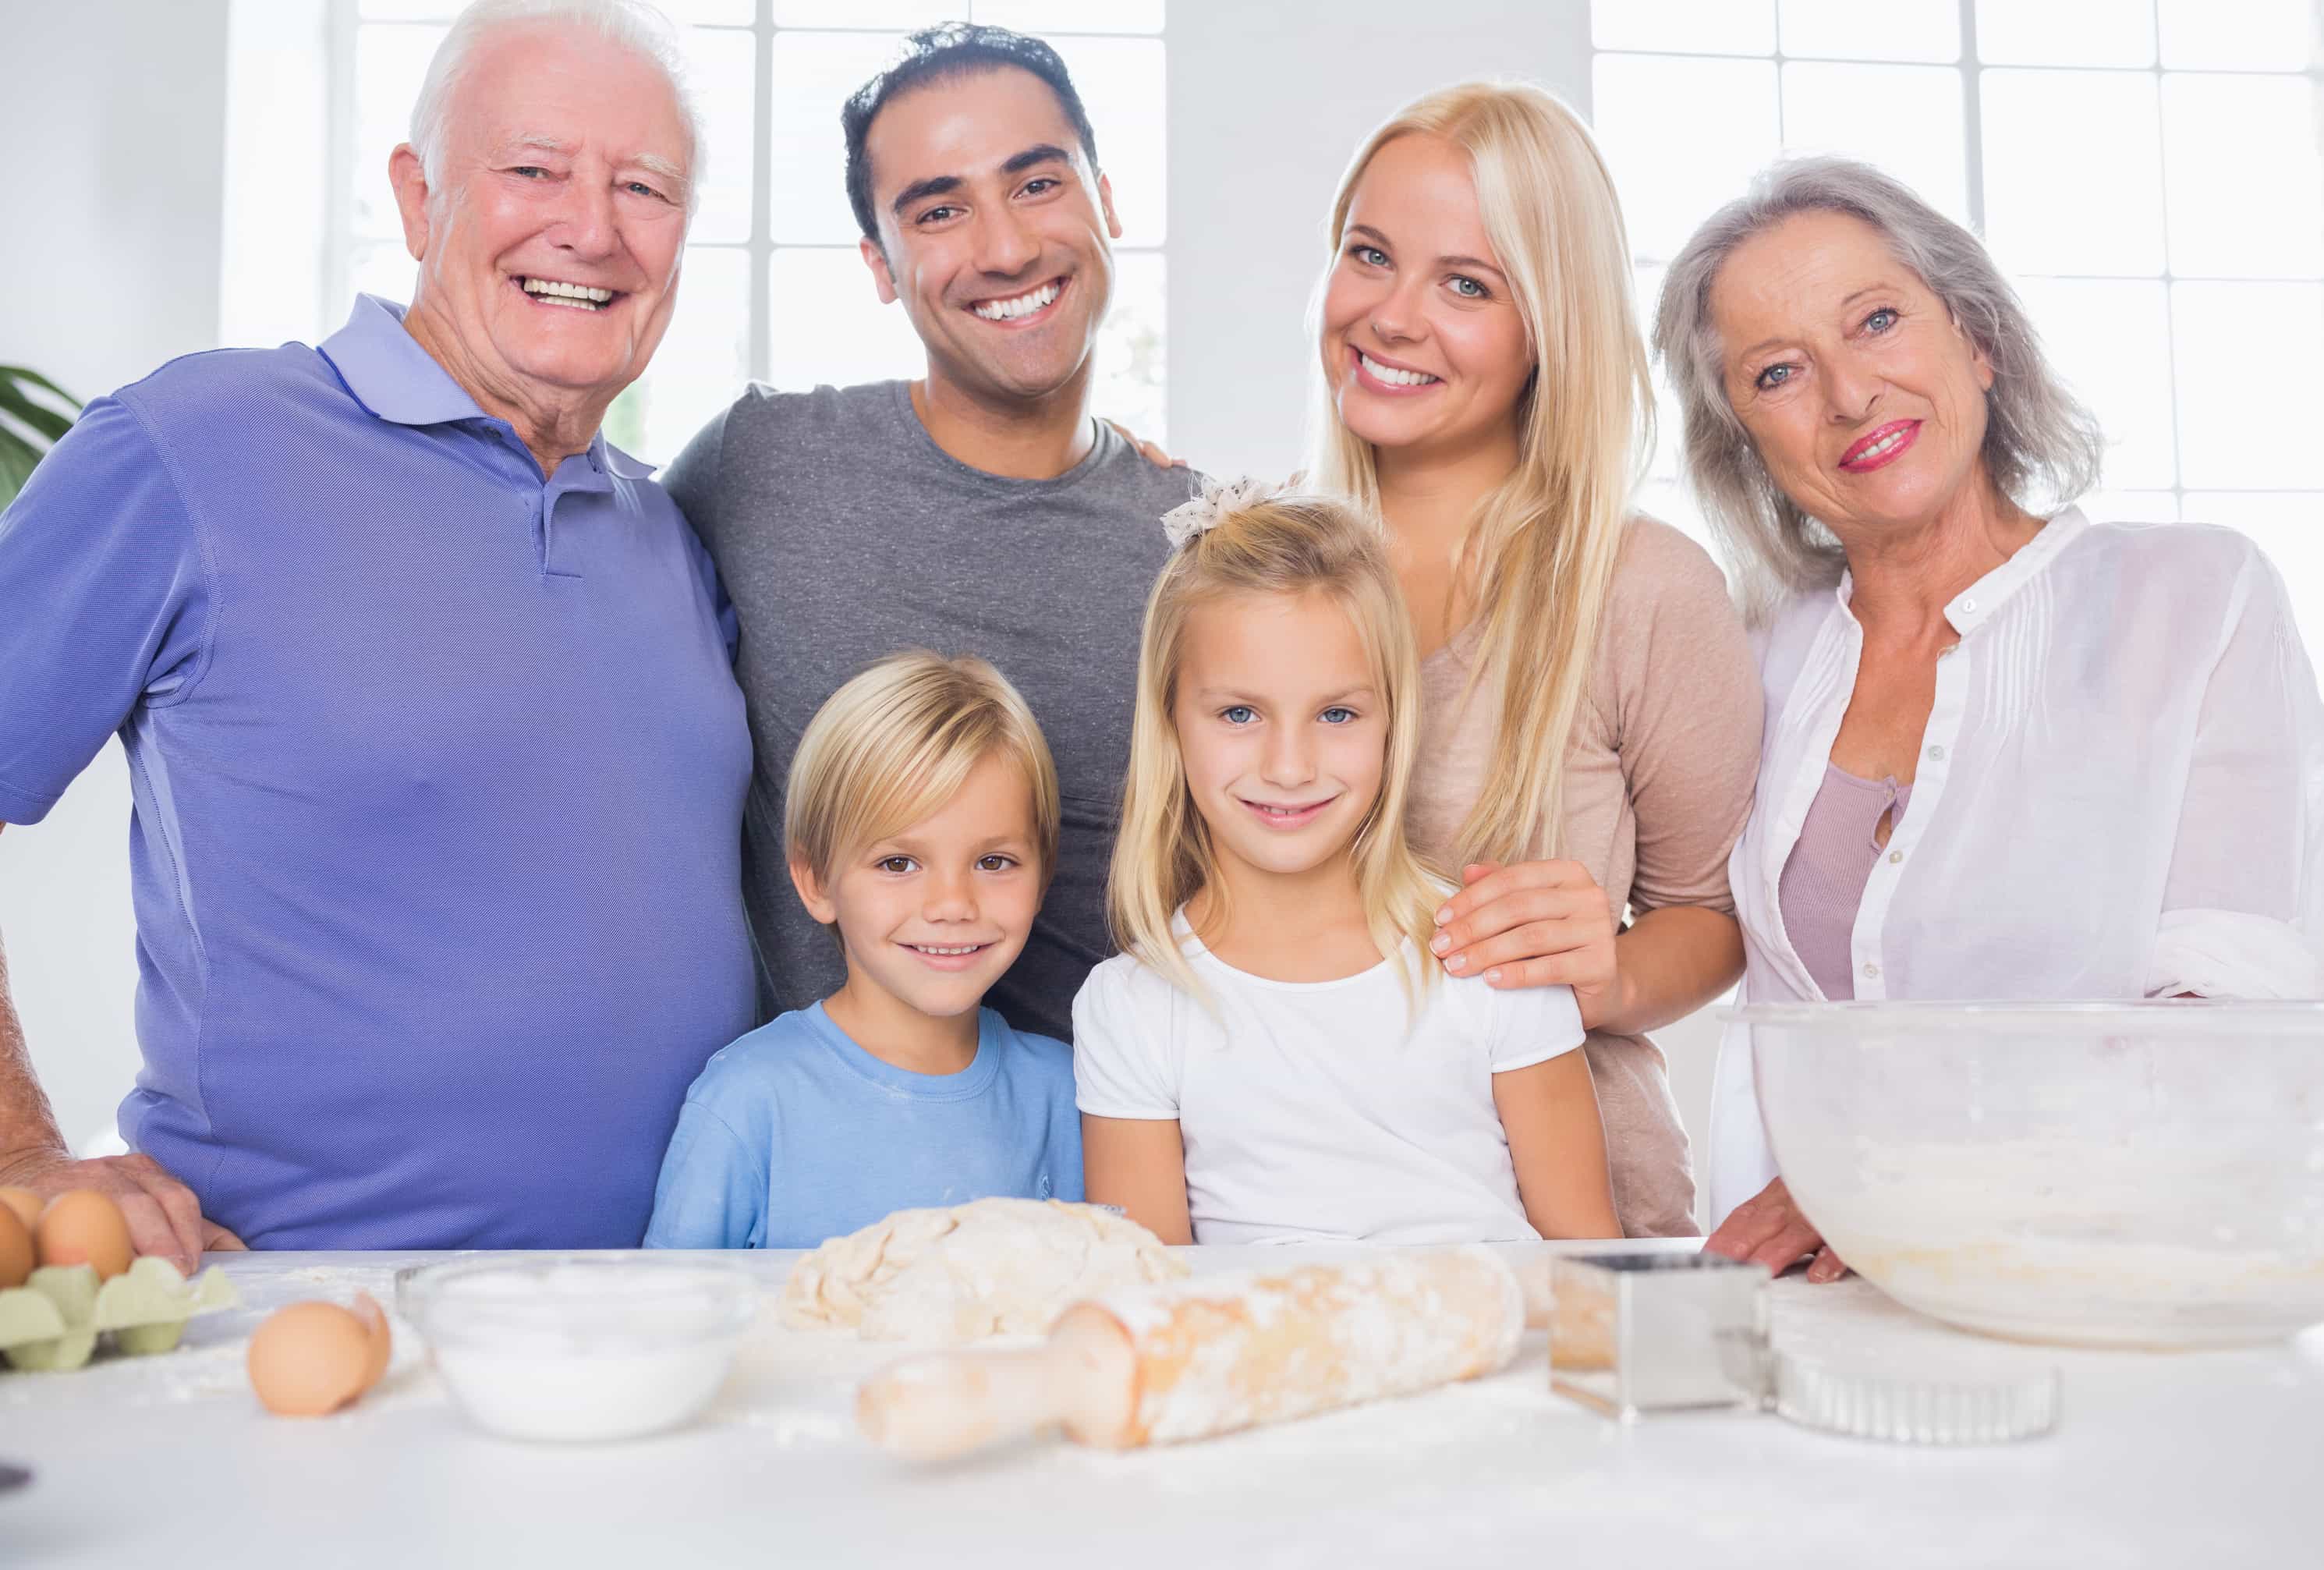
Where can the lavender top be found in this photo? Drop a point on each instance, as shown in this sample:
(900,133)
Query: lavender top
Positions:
(1823,880)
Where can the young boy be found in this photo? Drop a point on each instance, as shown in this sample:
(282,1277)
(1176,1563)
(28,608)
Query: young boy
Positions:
(921,827)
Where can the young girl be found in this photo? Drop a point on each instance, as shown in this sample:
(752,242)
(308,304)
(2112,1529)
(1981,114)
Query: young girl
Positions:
(1273,1056)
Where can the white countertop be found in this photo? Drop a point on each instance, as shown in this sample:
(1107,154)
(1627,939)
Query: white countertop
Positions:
(2185,1459)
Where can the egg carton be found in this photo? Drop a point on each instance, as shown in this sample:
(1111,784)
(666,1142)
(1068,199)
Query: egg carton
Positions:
(56,1319)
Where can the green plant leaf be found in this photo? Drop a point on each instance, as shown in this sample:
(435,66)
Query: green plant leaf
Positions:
(16,460)
(47,421)
(22,374)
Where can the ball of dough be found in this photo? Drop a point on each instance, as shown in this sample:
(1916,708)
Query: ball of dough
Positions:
(992,1267)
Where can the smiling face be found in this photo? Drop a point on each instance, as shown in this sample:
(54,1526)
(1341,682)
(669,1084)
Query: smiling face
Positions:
(1422,344)
(993,232)
(931,917)
(1282,730)
(1862,397)
(548,247)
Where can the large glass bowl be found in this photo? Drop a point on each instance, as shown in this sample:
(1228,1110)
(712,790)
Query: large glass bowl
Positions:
(2109,1173)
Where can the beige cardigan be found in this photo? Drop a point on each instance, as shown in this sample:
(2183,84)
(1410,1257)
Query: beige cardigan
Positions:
(1658,780)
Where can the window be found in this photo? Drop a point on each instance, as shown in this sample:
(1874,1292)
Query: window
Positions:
(2147,172)
(774,289)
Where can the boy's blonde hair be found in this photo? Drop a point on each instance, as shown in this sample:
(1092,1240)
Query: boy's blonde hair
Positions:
(1285,544)
(1538,559)
(895,743)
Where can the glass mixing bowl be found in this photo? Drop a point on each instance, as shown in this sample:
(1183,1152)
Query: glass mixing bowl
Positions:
(2146,1174)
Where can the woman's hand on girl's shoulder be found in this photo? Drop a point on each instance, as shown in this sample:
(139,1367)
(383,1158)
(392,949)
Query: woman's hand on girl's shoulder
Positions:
(1536,924)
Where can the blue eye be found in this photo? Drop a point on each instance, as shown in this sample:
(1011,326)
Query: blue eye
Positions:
(1240,713)
(1370,255)
(1774,376)
(1345,716)
(1881,321)
(1468,288)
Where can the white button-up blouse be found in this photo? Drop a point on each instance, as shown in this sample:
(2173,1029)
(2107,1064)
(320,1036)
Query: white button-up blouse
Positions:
(2120,794)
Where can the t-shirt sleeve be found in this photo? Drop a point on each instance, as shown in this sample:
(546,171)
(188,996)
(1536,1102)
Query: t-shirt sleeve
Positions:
(712,1189)
(1689,708)
(1125,1056)
(1065,1176)
(108,604)
(1532,1025)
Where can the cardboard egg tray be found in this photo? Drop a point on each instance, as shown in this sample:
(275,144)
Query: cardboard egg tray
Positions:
(56,1320)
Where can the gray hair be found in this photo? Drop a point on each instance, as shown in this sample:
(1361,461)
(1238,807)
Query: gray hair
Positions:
(631,24)
(2043,447)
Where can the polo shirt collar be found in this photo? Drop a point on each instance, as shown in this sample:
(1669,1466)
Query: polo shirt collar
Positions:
(396,380)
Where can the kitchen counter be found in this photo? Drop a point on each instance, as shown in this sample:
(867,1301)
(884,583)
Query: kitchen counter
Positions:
(2167,1459)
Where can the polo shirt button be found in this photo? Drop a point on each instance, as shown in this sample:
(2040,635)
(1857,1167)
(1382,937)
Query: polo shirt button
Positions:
(1871,970)
(1938,753)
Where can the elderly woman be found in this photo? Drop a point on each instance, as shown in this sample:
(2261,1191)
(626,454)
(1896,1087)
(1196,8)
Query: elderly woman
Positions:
(2010,751)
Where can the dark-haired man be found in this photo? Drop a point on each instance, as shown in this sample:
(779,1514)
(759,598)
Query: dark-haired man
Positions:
(979,510)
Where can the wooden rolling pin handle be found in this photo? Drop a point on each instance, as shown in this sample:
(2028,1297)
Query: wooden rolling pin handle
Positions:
(948,1404)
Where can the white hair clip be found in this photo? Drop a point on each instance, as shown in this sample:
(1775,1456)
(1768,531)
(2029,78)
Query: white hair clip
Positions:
(1201,514)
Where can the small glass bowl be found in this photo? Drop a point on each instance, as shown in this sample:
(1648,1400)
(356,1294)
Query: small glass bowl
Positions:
(576,1347)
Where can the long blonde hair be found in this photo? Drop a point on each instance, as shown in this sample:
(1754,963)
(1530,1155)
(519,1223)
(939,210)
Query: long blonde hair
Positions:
(1162,856)
(1538,556)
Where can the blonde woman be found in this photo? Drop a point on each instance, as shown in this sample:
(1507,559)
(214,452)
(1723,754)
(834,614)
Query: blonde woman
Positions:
(1590,727)
(1272,1058)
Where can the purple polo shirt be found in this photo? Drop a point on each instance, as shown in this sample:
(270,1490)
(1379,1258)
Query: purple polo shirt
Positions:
(438,771)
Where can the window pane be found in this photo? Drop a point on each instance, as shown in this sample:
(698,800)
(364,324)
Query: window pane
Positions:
(1689,26)
(381,267)
(2110,339)
(1131,370)
(2248,409)
(2248,35)
(1671,176)
(701,364)
(2072,163)
(409,10)
(711,12)
(827,324)
(390,64)
(896,13)
(1068,16)
(2247,182)
(1906,119)
(814,74)
(1122,84)
(2132,507)
(1893,30)
(724,79)
(2082,32)
(1670,431)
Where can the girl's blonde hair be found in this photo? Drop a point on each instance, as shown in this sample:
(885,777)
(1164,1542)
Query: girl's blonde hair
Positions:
(1538,558)
(1162,857)
(895,743)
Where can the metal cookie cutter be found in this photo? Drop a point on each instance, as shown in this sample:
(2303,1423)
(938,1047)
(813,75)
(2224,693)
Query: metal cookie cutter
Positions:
(1680,1331)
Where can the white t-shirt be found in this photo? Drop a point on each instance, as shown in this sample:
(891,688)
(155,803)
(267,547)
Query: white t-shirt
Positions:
(2120,794)
(1322,1110)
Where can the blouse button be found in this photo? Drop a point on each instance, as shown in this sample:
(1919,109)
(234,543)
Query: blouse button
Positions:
(1871,970)
(1937,753)
(1895,856)
(1969,607)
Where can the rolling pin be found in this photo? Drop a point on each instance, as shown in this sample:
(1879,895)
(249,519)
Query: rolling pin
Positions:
(1211,1354)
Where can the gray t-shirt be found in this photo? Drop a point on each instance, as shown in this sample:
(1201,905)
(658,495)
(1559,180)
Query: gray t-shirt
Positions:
(844,533)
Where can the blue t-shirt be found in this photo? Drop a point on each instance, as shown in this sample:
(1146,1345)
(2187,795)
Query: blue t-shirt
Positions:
(795,1134)
(439,769)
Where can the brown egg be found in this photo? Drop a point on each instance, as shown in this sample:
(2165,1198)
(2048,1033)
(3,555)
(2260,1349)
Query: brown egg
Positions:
(25,1204)
(16,1255)
(383,1342)
(310,1358)
(84,1227)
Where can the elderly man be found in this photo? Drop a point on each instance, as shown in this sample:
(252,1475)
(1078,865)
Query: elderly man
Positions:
(438,759)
